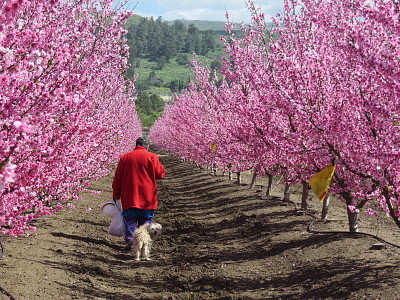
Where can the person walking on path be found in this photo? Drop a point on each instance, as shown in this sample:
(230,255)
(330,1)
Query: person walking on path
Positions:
(135,184)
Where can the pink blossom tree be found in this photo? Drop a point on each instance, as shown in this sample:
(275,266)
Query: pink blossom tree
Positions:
(66,109)
(338,59)
(322,86)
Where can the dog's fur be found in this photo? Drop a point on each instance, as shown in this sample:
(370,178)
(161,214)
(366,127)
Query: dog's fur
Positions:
(143,238)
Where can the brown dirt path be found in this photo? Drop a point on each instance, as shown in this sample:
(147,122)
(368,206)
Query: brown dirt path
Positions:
(220,241)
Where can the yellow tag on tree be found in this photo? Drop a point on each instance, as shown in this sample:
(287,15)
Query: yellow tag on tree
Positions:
(213,146)
(320,182)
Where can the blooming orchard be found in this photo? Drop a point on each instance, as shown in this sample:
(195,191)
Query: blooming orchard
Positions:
(321,86)
(66,109)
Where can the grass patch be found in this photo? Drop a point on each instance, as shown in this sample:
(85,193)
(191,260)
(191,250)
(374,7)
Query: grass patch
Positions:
(171,71)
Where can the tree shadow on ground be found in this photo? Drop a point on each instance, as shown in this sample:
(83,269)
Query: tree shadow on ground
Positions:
(85,240)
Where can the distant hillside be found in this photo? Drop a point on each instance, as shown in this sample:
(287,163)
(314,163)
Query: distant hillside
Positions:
(134,19)
(203,25)
(161,53)
(216,26)
(200,24)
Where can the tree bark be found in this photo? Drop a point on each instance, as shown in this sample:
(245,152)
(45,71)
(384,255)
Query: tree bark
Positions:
(214,169)
(239,178)
(390,206)
(269,186)
(325,208)
(304,195)
(253,180)
(353,221)
(3,249)
(352,217)
(286,193)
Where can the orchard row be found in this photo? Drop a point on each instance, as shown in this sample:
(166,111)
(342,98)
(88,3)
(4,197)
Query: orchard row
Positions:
(322,86)
(66,109)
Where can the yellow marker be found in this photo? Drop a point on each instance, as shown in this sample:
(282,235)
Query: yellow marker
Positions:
(320,182)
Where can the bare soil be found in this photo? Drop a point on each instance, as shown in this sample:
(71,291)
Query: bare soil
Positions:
(220,240)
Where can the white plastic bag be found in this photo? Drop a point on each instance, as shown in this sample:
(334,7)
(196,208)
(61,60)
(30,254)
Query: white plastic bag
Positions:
(117,225)
(109,208)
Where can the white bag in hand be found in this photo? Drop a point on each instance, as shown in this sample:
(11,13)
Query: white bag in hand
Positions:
(117,225)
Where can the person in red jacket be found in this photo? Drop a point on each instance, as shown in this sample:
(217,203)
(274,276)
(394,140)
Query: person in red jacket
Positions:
(135,184)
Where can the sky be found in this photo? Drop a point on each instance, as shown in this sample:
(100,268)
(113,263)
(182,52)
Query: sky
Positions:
(209,10)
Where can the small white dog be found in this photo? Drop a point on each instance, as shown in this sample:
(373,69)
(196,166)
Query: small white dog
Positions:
(143,238)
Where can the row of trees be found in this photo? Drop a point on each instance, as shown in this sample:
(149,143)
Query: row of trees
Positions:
(149,107)
(322,86)
(66,110)
(158,41)
(148,104)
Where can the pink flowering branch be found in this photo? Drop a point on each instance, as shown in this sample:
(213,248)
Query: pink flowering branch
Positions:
(67,111)
(321,85)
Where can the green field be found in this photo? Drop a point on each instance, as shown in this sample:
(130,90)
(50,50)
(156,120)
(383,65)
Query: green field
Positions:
(163,77)
(171,71)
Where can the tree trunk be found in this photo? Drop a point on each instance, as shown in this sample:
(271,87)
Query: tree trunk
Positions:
(253,180)
(325,208)
(269,186)
(353,221)
(389,204)
(214,169)
(286,193)
(304,195)
(352,217)
(239,178)
(3,249)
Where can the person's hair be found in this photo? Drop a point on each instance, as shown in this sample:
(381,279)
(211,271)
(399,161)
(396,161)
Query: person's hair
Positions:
(142,142)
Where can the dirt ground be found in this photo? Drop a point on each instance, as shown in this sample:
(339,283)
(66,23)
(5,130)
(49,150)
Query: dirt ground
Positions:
(220,241)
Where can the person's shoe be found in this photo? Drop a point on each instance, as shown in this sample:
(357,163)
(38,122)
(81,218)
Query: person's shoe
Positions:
(128,246)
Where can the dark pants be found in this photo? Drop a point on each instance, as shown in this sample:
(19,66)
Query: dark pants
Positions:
(133,222)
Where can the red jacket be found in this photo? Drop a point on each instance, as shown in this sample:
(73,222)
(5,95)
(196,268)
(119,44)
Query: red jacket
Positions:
(135,179)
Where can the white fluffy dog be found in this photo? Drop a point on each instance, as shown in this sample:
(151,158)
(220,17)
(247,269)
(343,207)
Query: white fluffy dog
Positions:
(143,238)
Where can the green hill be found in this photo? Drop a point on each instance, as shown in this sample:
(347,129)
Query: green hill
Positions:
(160,56)
(216,26)
(134,19)
(203,25)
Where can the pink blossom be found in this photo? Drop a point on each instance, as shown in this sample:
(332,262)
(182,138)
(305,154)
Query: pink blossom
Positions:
(353,209)
(4,80)
(7,175)
(23,126)
(60,111)
(292,104)
(14,6)
(371,212)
